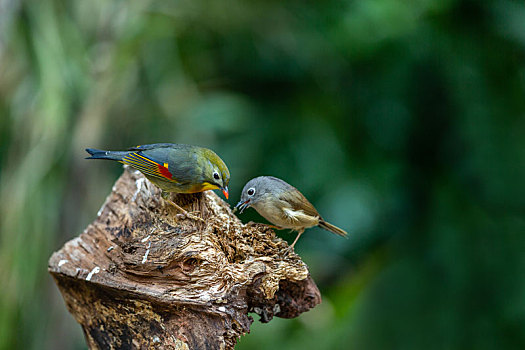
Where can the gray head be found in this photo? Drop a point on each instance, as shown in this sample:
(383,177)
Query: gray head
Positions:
(260,188)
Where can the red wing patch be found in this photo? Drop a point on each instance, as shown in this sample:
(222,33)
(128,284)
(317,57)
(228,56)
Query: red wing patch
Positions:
(148,166)
(163,170)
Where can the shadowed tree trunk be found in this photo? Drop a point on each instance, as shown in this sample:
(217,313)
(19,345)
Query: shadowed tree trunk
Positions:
(140,276)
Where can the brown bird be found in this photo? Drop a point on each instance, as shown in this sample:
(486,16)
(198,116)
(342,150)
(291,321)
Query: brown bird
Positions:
(283,205)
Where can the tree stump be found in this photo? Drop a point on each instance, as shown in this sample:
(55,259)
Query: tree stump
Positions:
(140,276)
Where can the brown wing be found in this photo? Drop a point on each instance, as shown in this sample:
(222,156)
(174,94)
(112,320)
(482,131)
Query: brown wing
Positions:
(298,202)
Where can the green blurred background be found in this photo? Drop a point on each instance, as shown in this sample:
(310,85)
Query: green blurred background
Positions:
(402,121)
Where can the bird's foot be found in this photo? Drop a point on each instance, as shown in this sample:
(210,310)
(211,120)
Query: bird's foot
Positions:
(290,248)
(190,215)
(183,213)
(287,251)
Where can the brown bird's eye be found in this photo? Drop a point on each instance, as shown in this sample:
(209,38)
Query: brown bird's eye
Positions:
(251,191)
(216,176)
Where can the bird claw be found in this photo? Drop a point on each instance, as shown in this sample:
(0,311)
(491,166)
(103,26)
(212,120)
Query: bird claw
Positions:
(190,216)
(290,248)
(183,213)
(287,251)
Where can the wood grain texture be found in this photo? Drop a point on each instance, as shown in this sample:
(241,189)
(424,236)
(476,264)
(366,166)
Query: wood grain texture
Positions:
(141,277)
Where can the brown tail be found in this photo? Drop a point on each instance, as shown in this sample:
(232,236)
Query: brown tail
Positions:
(334,229)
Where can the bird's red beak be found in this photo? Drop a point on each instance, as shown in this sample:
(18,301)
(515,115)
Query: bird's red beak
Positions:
(225,191)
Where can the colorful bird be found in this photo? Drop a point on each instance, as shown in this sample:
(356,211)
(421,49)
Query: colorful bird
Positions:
(174,167)
(283,205)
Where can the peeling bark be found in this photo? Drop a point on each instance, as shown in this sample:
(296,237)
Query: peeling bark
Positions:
(140,276)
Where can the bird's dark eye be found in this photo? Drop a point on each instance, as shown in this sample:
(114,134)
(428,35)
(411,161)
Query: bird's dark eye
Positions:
(251,191)
(216,176)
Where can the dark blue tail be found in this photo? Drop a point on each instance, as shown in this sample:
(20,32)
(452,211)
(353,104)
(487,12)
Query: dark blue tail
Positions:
(110,155)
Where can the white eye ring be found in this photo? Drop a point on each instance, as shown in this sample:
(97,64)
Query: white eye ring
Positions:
(251,191)
(216,176)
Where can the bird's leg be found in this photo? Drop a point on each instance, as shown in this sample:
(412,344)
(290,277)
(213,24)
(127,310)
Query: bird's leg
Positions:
(290,248)
(165,196)
(296,238)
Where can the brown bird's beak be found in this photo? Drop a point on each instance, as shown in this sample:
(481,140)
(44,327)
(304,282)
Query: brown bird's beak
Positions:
(225,191)
(241,206)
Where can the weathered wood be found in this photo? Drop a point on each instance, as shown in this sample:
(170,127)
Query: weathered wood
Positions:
(140,276)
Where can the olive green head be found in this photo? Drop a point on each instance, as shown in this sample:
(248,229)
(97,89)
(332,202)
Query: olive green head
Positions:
(215,171)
